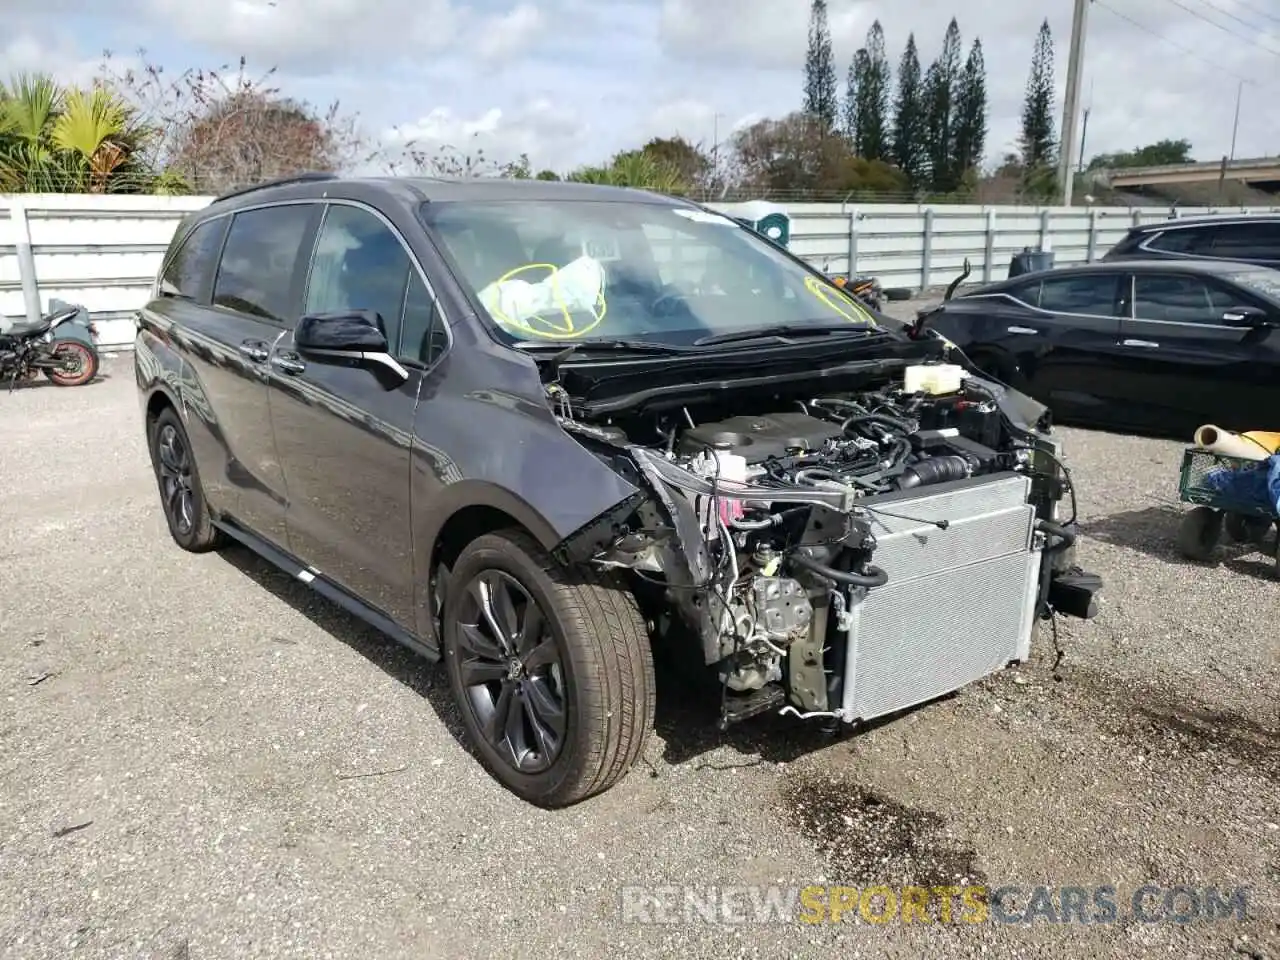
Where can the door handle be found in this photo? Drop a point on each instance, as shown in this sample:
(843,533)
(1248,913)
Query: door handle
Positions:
(1025,331)
(255,350)
(1149,344)
(288,363)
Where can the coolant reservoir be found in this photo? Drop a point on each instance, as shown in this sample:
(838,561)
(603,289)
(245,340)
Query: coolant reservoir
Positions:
(934,378)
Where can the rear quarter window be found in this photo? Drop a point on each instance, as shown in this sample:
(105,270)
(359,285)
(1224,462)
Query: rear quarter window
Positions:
(1182,240)
(188,273)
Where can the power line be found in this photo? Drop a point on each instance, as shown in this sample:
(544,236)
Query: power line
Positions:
(1173,43)
(1213,23)
(1255,11)
(1231,16)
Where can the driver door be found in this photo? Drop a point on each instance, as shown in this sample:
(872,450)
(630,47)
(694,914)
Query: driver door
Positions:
(344,426)
(1185,365)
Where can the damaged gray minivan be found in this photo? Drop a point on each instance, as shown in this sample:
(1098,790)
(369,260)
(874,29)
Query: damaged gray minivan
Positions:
(527,427)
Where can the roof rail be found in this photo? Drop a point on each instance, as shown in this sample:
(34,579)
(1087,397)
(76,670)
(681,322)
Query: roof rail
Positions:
(307,176)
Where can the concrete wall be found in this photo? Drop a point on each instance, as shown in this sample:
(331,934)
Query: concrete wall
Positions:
(104,251)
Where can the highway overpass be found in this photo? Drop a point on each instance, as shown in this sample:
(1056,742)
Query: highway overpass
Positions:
(1263,174)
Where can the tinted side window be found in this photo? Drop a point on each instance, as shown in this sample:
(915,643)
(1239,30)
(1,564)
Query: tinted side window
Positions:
(189,271)
(1093,296)
(1253,241)
(359,264)
(1028,293)
(1185,240)
(423,337)
(1180,299)
(256,272)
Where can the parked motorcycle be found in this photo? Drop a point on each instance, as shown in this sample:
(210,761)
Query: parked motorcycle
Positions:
(62,345)
(865,288)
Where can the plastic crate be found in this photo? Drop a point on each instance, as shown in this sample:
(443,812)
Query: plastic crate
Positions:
(1196,483)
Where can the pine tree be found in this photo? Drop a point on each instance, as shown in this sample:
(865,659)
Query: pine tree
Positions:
(1037,143)
(871,104)
(971,112)
(910,123)
(940,89)
(820,97)
(857,75)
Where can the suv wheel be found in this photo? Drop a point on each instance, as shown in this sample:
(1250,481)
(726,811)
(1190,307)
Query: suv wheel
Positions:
(553,674)
(180,493)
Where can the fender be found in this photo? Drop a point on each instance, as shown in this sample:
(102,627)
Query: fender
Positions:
(447,503)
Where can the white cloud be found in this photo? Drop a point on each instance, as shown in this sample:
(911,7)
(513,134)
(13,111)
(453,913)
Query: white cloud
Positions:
(510,33)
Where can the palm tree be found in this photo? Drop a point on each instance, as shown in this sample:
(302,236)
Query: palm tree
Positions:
(27,108)
(91,131)
(55,140)
(634,168)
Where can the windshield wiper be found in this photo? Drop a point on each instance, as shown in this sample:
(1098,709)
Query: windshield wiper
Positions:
(781,331)
(620,346)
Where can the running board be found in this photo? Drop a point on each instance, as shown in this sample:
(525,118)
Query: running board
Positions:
(329,590)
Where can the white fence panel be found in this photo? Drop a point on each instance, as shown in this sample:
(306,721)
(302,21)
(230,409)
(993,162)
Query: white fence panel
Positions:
(104,251)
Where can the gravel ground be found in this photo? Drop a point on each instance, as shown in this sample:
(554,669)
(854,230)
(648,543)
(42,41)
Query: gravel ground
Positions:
(199,758)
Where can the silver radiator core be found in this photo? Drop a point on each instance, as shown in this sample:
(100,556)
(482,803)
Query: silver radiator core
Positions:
(960,602)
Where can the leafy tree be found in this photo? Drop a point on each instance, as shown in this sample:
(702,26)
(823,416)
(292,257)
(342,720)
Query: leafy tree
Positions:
(820,99)
(941,86)
(1157,154)
(971,111)
(910,122)
(690,162)
(547,175)
(796,154)
(224,128)
(1038,145)
(871,98)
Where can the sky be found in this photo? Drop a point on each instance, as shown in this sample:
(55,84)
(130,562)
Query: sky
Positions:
(570,82)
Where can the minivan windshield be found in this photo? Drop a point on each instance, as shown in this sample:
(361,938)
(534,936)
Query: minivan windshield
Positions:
(581,270)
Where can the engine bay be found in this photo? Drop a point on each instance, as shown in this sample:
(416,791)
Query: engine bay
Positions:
(761,532)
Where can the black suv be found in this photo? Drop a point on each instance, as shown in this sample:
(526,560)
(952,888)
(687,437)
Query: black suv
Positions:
(538,428)
(1252,238)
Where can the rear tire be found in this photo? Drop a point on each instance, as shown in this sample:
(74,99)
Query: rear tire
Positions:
(181,495)
(1200,533)
(559,702)
(1251,530)
(86,368)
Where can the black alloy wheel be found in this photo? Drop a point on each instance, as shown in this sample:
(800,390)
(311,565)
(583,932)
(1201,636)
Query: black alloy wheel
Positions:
(181,494)
(175,479)
(550,666)
(512,671)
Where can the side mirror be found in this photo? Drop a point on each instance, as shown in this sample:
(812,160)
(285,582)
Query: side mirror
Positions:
(1247,317)
(347,335)
(347,331)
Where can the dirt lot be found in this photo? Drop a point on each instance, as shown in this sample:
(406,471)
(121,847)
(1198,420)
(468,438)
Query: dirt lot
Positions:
(200,758)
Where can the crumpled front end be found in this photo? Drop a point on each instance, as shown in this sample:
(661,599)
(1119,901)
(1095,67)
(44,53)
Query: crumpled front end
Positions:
(852,556)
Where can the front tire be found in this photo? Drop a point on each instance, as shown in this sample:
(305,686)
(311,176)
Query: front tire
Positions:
(1200,533)
(181,495)
(81,360)
(553,674)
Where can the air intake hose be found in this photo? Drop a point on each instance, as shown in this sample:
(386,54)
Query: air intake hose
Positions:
(933,470)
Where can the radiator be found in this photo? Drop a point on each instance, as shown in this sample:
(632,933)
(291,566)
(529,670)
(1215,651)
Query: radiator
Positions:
(959,604)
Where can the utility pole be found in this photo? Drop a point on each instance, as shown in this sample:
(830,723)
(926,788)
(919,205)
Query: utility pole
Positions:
(1235,127)
(1071,108)
(1084,135)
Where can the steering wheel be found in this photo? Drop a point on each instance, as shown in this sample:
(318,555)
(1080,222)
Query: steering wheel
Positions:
(671,301)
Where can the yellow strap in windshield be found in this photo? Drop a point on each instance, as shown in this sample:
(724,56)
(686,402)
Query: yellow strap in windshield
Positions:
(842,303)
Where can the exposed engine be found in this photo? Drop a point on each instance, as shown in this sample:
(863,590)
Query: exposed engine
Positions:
(767,526)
